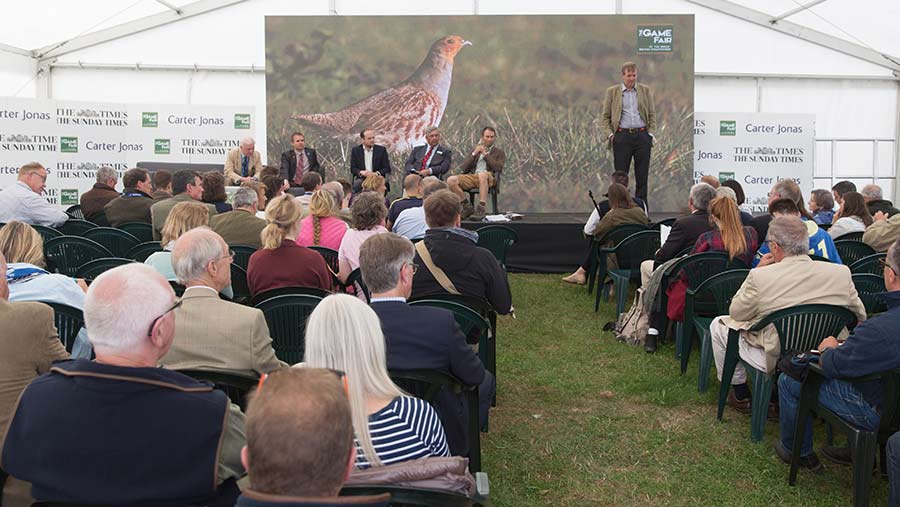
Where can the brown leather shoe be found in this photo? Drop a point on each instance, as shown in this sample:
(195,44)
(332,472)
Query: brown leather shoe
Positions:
(742,406)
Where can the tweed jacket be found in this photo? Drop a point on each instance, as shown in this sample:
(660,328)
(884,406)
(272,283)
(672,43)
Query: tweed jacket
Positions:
(612,109)
(238,227)
(161,209)
(796,280)
(218,335)
(233,166)
(132,206)
(94,200)
(881,234)
(495,159)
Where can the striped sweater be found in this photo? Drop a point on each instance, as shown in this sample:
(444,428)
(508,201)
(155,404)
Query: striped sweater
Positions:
(407,428)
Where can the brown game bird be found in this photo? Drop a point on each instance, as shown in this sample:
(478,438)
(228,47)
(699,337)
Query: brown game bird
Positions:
(399,114)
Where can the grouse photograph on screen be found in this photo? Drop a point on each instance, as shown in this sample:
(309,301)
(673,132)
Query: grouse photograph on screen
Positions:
(539,81)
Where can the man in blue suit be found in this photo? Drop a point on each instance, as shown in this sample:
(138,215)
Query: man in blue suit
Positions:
(419,337)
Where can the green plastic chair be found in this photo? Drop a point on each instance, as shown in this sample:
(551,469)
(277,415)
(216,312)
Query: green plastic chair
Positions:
(74,211)
(97,267)
(239,286)
(475,327)
(115,240)
(800,328)
(47,233)
(236,385)
(68,253)
(497,239)
(144,250)
(629,254)
(869,264)
(702,304)
(612,237)
(668,222)
(140,230)
(851,250)
(404,496)
(286,318)
(76,227)
(870,287)
(355,280)
(285,291)
(425,384)
(863,444)
(69,321)
(850,236)
(242,255)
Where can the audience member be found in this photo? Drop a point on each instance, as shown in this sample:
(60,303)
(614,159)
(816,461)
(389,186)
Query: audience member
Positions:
(337,193)
(348,194)
(821,205)
(876,202)
(784,189)
(739,197)
(841,188)
(240,226)
(451,253)
(104,190)
(274,186)
(300,442)
(188,187)
(321,227)
(311,182)
(622,211)
(710,180)
(211,333)
(136,434)
(27,349)
(282,262)
(863,353)
(214,191)
(723,191)
(135,202)
(375,182)
(421,337)
(261,194)
(268,170)
(883,231)
(852,216)
(728,236)
(242,163)
(412,198)
(786,277)
(368,219)
(410,222)
(29,280)
(344,334)
(184,217)
(23,201)
(820,243)
(162,185)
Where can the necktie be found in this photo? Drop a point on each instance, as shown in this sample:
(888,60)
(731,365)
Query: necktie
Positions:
(244,162)
(425,159)
(301,164)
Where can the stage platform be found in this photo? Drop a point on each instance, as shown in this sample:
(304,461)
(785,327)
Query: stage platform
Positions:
(548,242)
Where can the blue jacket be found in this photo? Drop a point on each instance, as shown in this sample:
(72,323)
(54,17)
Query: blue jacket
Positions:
(820,243)
(874,346)
(823,216)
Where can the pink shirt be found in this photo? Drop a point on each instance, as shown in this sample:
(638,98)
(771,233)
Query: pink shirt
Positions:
(353,239)
(332,232)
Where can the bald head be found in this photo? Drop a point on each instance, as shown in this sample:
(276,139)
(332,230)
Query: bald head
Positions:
(413,185)
(120,307)
(200,257)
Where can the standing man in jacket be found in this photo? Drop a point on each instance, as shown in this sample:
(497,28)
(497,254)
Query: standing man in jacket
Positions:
(629,121)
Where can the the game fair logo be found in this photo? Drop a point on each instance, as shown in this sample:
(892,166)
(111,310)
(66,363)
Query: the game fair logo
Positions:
(162,146)
(241,121)
(149,119)
(24,142)
(68,196)
(91,117)
(68,144)
(655,38)
(727,128)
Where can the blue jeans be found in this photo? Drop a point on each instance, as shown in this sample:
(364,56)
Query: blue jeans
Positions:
(893,459)
(838,396)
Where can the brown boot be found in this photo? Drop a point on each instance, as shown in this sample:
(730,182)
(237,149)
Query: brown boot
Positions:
(479,211)
(465,210)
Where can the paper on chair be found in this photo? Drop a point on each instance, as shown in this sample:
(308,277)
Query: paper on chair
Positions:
(664,234)
(496,218)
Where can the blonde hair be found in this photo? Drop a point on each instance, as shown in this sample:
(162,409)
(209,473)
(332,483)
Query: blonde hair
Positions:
(282,213)
(19,242)
(183,217)
(30,168)
(321,205)
(343,333)
(373,182)
(726,215)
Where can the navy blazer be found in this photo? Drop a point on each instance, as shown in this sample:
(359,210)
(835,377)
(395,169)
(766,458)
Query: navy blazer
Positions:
(289,164)
(421,337)
(381,162)
(440,162)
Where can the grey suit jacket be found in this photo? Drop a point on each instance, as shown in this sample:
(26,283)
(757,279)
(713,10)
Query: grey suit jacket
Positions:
(439,164)
(160,211)
(796,280)
(218,335)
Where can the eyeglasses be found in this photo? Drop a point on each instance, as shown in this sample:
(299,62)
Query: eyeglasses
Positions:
(230,256)
(884,264)
(414,266)
(176,305)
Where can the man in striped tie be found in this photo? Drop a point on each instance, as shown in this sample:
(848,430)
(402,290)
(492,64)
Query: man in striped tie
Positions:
(430,158)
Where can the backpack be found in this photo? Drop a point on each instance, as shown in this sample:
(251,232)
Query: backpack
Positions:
(632,325)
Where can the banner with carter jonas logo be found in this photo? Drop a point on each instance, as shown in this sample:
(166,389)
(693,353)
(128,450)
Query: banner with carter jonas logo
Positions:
(757,150)
(74,139)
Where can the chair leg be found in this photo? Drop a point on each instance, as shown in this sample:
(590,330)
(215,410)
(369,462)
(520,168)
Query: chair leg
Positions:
(592,271)
(687,343)
(706,360)
(731,359)
(762,393)
(494,200)
(679,326)
(809,395)
(862,446)
(621,282)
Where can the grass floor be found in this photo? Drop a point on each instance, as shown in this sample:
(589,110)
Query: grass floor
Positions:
(584,420)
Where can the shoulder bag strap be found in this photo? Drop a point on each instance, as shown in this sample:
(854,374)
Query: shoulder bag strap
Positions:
(437,272)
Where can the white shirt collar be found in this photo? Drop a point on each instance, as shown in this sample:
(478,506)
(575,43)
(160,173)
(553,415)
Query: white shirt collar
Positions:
(202,287)
(385,299)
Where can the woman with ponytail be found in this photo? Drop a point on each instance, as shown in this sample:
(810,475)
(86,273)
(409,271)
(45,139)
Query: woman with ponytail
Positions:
(321,227)
(282,262)
(728,235)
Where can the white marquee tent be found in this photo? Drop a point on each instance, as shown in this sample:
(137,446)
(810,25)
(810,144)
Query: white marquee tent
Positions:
(831,58)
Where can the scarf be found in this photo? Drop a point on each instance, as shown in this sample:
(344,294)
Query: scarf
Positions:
(459,231)
(20,272)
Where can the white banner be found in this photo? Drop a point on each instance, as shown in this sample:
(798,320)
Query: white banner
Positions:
(757,150)
(74,139)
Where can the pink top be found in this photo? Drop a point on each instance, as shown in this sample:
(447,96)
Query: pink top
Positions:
(353,239)
(332,232)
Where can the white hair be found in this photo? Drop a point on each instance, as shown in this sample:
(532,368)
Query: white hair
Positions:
(193,251)
(430,130)
(726,192)
(247,141)
(701,194)
(121,305)
(343,333)
(790,234)
(872,192)
(245,196)
(105,174)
